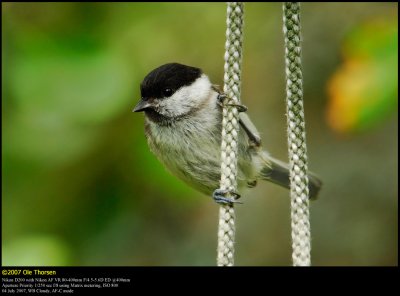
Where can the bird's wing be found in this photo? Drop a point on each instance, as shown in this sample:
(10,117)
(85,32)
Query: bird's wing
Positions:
(250,129)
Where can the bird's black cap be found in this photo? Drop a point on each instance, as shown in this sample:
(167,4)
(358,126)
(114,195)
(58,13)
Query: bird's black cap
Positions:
(167,79)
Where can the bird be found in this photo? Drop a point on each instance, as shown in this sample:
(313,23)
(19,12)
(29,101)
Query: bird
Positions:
(183,127)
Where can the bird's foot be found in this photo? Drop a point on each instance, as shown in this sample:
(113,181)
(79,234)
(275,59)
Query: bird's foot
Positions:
(221,99)
(226,197)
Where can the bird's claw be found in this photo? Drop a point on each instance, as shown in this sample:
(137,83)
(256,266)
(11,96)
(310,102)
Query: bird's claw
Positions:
(220,196)
(221,98)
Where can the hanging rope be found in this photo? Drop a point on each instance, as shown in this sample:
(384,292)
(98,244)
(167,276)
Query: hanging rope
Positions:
(296,137)
(230,130)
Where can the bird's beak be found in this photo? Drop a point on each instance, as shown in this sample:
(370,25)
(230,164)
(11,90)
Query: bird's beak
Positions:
(142,105)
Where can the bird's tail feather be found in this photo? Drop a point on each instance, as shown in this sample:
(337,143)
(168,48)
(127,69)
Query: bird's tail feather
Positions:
(277,172)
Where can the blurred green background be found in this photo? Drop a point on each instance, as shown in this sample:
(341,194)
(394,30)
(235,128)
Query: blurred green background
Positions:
(80,186)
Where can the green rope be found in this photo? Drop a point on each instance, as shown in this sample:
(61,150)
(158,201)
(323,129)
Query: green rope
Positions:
(230,130)
(296,137)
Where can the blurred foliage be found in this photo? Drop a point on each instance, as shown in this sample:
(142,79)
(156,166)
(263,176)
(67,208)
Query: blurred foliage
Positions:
(80,186)
(363,92)
(36,251)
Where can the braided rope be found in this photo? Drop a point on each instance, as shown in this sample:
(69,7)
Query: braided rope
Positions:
(230,130)
(296,137)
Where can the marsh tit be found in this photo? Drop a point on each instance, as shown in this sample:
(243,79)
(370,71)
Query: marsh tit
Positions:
(183,125)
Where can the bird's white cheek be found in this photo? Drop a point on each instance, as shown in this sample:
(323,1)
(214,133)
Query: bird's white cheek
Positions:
(172,107)
(178,104)
(186,99)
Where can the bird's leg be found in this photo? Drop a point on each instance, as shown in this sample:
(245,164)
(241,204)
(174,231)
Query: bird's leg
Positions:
(225,197)
(222,196)
(244,121)
(221,102)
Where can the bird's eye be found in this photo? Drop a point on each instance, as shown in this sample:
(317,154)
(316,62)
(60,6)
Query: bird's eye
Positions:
(167,92)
